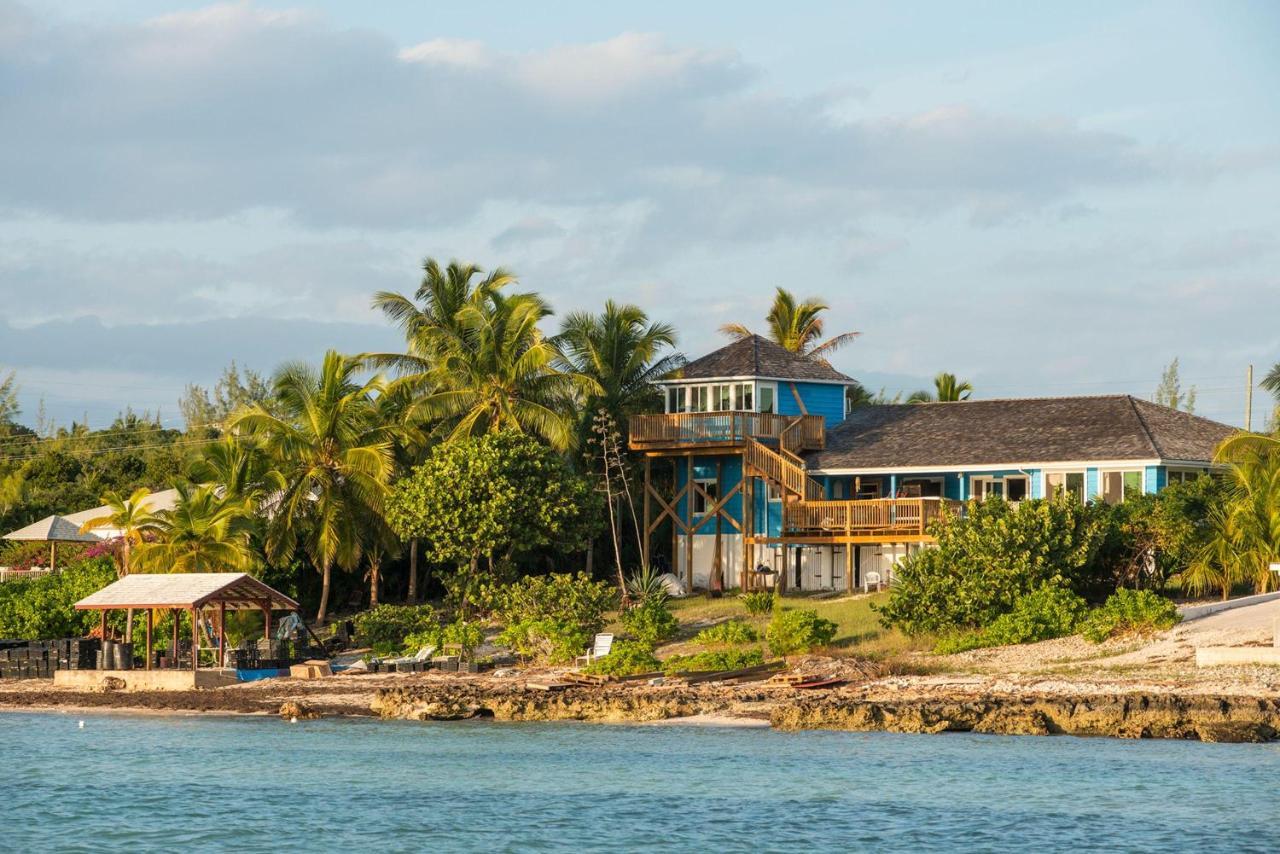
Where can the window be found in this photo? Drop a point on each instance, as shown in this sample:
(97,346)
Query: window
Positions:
(701,504)
(722,397)
(768,393)
(1181,476)
(1072,482)
(698,399)
(743,399)
(868,488)
(1119,485)
(920,487)
(837,490)
(1011,487)
(677,399)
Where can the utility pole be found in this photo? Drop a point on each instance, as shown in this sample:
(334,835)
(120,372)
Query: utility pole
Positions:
(1248,400)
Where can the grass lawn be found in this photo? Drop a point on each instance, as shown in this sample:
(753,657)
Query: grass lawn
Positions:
(859,631)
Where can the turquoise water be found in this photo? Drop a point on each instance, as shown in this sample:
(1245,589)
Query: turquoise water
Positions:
(257,784)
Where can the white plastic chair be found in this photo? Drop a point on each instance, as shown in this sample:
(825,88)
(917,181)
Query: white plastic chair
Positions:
(602,647)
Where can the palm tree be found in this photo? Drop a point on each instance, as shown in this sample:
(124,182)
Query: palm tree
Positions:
(334,457)
(498,372)
(440,296)
(621,350)
(238,467)
(946,389)
(797,326)
(129,516)
(202,533)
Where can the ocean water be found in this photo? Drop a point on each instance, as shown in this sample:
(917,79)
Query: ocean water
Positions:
(204,784)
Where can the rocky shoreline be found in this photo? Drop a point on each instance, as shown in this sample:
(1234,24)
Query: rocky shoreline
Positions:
(883,705)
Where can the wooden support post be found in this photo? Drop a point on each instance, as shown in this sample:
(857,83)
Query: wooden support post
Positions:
(128,626)
(675,518)
(222,634)
(151,618)
(748,527)
(102,621)
(195,641)
(716,581)
(848,566)
(688,518)
(648,514)
(173,650)
(53,555)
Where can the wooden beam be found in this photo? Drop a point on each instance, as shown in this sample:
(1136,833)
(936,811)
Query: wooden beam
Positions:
(222,635)
(173,650)
(717,564)
(151,617)
(644,545)
(668,509)
(195,641)
(689,530)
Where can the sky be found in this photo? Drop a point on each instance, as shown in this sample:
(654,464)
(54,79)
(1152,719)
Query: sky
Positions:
(1045,201)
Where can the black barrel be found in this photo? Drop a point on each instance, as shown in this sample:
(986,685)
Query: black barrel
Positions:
(108,657)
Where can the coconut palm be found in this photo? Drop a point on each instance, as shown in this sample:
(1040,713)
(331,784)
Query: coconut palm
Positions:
(129,516)
(946,389)
(204,532)
(498,372)
(622,351)
(238,467)
(431,314)
(797,326)
(334,456)
(1246,539)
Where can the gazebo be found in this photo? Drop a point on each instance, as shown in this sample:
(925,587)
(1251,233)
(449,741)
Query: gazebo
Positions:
(195,593)
(53,530)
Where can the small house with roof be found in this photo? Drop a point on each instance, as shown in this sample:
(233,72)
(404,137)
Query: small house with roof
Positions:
(760,474)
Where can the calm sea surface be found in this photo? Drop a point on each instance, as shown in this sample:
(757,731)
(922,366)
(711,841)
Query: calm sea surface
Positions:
(254,784)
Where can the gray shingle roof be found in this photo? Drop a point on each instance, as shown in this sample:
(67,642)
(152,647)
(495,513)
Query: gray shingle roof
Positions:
(760,357)
(1032,430)
(186,590)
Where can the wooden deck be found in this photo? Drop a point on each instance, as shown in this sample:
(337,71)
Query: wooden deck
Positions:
(709,430)
(866,520)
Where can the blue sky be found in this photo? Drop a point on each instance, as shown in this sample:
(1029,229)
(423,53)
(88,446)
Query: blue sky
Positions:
(1055,200)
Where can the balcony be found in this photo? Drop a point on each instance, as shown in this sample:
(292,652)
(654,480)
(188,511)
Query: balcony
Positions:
(870,519)
(710,430)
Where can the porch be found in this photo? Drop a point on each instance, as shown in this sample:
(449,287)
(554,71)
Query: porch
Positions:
(865,520)
(708,430)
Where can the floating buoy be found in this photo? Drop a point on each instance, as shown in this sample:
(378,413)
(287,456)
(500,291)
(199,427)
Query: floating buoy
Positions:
(82,725)
(291,720)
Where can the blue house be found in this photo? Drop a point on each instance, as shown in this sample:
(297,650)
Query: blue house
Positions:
(768,478)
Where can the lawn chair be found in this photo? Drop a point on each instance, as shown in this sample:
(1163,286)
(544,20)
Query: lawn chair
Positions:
(602,647)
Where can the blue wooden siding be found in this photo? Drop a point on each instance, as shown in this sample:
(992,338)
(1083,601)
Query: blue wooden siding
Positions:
(1091,483)
(704,468)
(823,399)
(1157,478)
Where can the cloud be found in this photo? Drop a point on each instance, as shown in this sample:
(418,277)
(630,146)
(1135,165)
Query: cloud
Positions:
(527,230)
(210,113)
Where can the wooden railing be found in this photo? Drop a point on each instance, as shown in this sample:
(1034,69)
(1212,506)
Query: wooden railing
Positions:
(692,429)
(778,468)
(911,516)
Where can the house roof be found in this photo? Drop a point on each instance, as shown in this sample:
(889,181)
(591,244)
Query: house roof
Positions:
(187,590)
(759,357)
(1031,430)
(55,529)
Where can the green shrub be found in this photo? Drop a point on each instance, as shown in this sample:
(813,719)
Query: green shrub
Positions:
(757,602)
(1049,612)
(562,597)
(385,627)
(799,630)
(552,640)
(732,632)
(467,635)
(997,553)
(961,642)
(43,608)
(627,658)
(651,621)
(1130,612)
(723,659)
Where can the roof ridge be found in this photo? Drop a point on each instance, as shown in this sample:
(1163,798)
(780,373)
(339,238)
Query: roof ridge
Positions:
(1146,428)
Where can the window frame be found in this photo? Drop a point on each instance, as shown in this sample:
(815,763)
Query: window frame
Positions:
(710,486)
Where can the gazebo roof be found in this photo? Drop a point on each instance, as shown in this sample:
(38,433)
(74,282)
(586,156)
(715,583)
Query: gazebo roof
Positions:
(236,590)
(55,529)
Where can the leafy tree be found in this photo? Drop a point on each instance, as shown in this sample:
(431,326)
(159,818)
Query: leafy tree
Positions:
(334,457)
(202,533)
(796,325)
(9,409)
(237,466)
(946,389)
(491,497)
(129,516)
(232,392)
(995,554)
(1169,392)
(43,608)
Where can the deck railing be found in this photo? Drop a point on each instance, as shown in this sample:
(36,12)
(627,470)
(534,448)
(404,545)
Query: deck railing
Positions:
(781,470)
(691,429)
(909,516)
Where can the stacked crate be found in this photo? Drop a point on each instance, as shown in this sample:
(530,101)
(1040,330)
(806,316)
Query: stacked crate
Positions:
(39,659)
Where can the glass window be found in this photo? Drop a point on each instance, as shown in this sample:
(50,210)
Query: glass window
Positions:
(1119,485)
(743,397)
(1016,488)
(678,399)
(698,399)
(1057,483)
(700,501)
(767,393)
(721,397)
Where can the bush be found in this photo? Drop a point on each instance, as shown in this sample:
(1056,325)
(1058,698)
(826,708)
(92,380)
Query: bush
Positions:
(627,658)
(43,608)
(800,630)
(1130,612)
(464,634)
(386,627)
(725,659)
(552,640)
(651,621)
(1049,612)
(998,553)
(732,632)
(757,602)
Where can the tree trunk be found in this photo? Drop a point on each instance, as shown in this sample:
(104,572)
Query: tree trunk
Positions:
(323,613)
(375,570)
(591,557)
(124,556)
(413,571)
